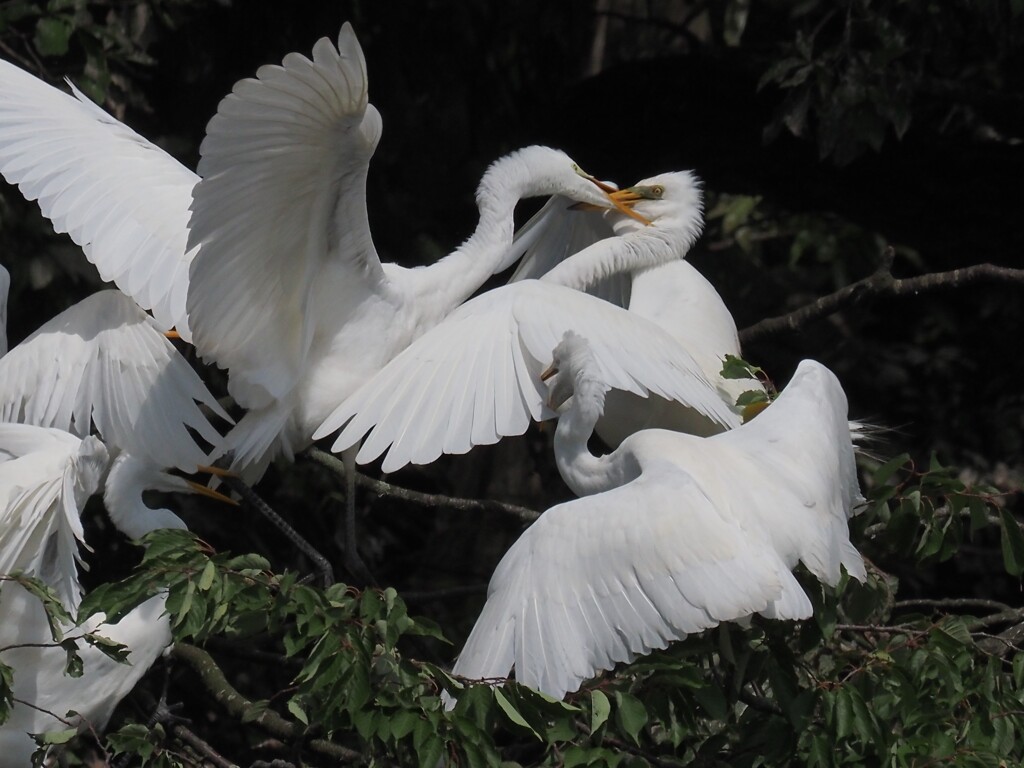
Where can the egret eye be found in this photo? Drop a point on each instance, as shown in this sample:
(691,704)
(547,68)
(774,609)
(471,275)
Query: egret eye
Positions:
(657,190)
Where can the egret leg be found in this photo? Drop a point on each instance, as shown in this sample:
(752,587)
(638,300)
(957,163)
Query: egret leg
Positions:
(353,561)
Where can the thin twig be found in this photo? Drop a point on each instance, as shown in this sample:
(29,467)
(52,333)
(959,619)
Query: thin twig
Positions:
(433,500)
(249,495)
(954,602)
(880,284)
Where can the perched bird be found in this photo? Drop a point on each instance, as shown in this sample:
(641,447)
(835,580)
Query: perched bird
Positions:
(102,363)
(46,475)
(673,533)
(473,378)
(267,264)
(672,294)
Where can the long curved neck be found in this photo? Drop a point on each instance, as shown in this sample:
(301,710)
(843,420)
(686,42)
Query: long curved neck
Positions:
(459,274)
(122,496)
(631,253)
(582,471)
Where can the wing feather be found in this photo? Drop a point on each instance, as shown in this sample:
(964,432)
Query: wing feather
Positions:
(601,579)
(124,200)
(508,333)
(103,361)
(46,475)
(284,167)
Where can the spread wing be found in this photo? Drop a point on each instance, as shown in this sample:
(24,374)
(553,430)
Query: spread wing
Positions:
(282,199)
(121,198)
(604,578)
(474,378)
(104,362)
(800,446)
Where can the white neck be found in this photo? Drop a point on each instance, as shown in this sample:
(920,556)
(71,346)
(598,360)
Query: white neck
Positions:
(584,473)
(128,478)
(487,251)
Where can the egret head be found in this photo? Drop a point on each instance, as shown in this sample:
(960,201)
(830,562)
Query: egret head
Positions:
(129,477)
(572,361)
(541,171)
(673,200)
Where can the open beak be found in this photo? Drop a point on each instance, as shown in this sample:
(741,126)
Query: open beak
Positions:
(621,199)
(209,492)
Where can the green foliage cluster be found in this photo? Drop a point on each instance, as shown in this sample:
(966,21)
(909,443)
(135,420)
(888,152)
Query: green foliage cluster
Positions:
(869,680)
(852,71)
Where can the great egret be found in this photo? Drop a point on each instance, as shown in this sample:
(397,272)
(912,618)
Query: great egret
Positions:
(101,363)
(423,404)
(284,287)
(46,475)
(674,533)
(673,294)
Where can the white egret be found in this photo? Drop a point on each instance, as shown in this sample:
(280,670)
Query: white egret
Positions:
(422,404)
(101,363)
(46,475)
(287,291)
(674,533)
(284,287)
(672,294)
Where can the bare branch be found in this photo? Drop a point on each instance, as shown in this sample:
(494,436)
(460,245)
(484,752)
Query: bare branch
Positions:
(236,484)
(880,284)
(433,500)
(236,704)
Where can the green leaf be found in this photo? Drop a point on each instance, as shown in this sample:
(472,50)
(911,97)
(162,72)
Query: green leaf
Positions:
(737,368)
(52,35)
(883,473)
(600,708)
(57,737)
(711,698)
(630,714)
(206,578)
(298,712)
(513,714)
(1012,542)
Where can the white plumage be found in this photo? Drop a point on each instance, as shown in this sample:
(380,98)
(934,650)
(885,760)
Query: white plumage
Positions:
(473,378)
(674,533)
(273,249)
(102,363)
(670,293)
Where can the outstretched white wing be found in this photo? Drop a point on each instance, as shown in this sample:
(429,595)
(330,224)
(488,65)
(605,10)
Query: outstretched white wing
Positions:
(599,580)
(46,475)
(104,362)
(801,447)
(474,378)
(284,166)
(121,198)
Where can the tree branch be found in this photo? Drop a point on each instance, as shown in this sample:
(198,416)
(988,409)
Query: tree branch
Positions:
(433,500)
(880,284)
(237,705)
